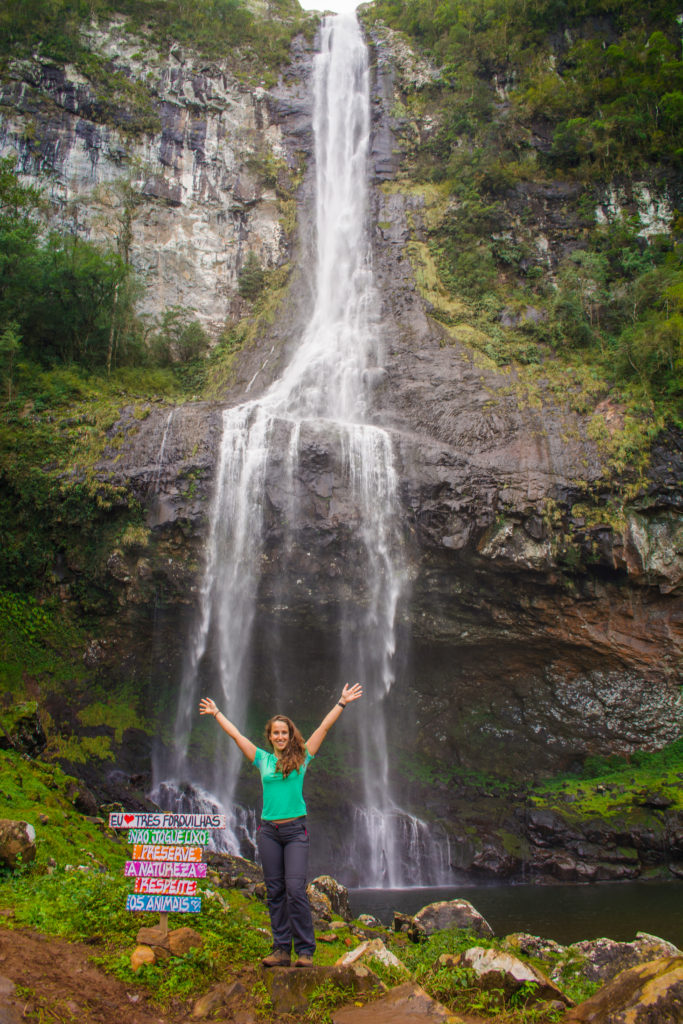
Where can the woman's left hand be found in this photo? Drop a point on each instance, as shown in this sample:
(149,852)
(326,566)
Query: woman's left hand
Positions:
(350,693)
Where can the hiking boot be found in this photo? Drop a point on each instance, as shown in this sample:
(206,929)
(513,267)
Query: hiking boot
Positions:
(304,961)
(278,958)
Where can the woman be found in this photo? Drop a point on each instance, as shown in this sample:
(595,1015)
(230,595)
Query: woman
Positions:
(282,836)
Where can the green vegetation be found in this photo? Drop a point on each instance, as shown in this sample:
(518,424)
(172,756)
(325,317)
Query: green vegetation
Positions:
(616,786)
(42,794)
(86,902)
(256,37)
(73,351)
(251,278)
(545,105)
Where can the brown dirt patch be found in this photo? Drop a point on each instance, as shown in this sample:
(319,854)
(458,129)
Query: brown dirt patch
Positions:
(64,987)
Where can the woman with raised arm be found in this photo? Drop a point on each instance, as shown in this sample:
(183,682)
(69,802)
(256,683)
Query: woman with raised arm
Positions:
(282,836)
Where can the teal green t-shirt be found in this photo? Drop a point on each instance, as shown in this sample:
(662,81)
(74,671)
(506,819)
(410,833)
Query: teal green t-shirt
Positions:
(282,798)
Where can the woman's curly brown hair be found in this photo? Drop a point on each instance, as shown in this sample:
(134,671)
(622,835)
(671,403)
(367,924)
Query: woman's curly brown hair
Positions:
(294,754)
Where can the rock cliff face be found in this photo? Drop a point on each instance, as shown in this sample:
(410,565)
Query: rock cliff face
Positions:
(188,202)
(541,635)
(536,631)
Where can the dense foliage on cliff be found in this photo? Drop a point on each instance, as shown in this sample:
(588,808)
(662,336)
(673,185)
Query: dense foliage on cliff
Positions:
(213,27)
(573,104)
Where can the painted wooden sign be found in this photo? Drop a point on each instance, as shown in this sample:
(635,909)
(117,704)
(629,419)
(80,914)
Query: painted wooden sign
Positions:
(167,859)
(164,904)
(170,836)
(164,869)
(150,851)
(129,819)
(166,886)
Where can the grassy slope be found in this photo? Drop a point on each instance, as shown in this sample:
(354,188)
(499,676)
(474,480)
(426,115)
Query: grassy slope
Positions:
(85,902)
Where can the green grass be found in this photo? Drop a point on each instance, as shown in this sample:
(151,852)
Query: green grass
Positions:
(30,789)
(38,642)
(613,786)
(89,906)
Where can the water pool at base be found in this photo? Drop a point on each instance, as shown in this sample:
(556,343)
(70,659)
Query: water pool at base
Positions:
(565,913)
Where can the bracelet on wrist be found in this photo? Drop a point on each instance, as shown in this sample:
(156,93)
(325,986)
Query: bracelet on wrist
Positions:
(341,704)
(216,713)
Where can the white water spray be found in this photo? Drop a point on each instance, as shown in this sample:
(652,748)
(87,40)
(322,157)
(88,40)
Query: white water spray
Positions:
(324,388)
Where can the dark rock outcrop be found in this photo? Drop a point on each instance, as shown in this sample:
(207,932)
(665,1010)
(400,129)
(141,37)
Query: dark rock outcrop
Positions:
(651,993)
(21,729)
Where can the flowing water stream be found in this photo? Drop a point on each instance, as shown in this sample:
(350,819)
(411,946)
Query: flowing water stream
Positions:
(326,390)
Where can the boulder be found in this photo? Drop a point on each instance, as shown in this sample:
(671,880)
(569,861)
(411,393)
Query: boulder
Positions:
(603,959)
(405,1004)
(17,842)
(182,940)
(371,950)
(650,993)
(289,989)
(154,936)
(321,907)
(533,945)
(235,872)
(369,921)
(337,894)
(491,858)
(81,797)
(21,729)
(496,970)
(449,914)
(221,995)
(9,1014)
(142,955)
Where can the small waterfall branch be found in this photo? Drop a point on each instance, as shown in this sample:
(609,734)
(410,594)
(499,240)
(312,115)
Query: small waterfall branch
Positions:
(323,389)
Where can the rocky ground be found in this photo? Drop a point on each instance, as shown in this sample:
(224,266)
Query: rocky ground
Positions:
(46,978)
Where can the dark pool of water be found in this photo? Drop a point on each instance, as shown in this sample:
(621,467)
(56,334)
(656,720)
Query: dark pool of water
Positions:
(566,913)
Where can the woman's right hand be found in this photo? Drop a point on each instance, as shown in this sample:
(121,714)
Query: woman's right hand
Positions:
(207,707)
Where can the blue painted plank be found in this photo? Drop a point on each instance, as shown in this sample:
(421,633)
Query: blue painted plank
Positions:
(165,904)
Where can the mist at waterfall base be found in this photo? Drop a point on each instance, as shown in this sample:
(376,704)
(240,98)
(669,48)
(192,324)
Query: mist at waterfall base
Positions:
(243,649)
(564,913)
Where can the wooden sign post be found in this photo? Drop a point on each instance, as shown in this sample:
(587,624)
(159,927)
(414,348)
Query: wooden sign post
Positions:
(167,859)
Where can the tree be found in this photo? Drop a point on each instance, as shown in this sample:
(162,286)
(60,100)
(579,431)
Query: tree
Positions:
(251,278)
(10,344)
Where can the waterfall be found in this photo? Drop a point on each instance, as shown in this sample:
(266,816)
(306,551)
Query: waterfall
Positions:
(325,390)
(162,449)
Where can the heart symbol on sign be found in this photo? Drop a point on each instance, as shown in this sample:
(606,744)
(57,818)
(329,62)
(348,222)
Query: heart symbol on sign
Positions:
(128,818)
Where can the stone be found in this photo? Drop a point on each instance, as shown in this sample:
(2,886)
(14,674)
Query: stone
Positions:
(9,1014)
(289,988)
(154,936)
(448,914)
(337,894)
(321,908)
(234,871)
(221,995)
(369,921)
(17,842)
(405,1004)
(7,987)
(21,729)
(650,993)
(533,945)
(81,797)
(182,940)
(602,959)
(373,949)
(498,970)
(142,955)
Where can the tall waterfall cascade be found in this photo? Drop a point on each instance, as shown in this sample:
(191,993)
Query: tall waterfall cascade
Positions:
(325,389)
